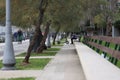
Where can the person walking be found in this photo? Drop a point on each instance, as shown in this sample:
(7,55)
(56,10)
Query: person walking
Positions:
(19,36)
(15,36)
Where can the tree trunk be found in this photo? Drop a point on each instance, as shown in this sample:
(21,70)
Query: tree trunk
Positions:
(37,42)
(42,9)
(56,35)
(109,27)
(42,44)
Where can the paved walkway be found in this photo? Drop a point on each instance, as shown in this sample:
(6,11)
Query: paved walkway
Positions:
(64,66)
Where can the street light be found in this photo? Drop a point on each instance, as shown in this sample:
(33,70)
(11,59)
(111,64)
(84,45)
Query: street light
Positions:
(8,56)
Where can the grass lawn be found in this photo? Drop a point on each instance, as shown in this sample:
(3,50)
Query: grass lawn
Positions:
(48,52)
(41,54)
(35,64)
(118,64)
(58,44)
(53,49)
(19,79)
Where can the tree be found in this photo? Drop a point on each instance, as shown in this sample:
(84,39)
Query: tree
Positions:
(93,10)
(42,8)
(2,11)
(23,13)
(63,14)
(42,43)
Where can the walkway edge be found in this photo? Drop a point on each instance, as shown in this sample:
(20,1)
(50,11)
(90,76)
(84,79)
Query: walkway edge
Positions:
(94,66)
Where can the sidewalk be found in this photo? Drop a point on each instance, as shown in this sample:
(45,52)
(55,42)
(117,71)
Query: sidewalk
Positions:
(64,66)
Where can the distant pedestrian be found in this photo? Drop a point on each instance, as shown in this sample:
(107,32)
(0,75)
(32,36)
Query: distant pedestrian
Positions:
(15,36)
(73,36)
(19,36)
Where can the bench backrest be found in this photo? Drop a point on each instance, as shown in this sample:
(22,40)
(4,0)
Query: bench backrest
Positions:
(107,45)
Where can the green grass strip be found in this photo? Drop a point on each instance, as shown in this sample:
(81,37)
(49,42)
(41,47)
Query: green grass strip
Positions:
(53,49)
(48,52)
(58,44)
(35,64)
(19,79)
(41,54)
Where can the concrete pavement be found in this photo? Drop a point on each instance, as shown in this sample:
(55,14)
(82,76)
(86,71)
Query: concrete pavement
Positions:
(64,66)
(19,74)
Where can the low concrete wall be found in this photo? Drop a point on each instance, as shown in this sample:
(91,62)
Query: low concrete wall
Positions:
(95,66)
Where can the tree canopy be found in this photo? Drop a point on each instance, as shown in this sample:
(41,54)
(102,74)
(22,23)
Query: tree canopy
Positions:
(64,13)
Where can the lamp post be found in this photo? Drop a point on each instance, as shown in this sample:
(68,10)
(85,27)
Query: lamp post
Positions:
(8,56)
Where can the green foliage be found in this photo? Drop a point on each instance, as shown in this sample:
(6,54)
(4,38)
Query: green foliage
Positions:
(117,24)
(81,39)
(87,23)
(99,20)
(64,13)
(95,11)
(116,16)
(24,12)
